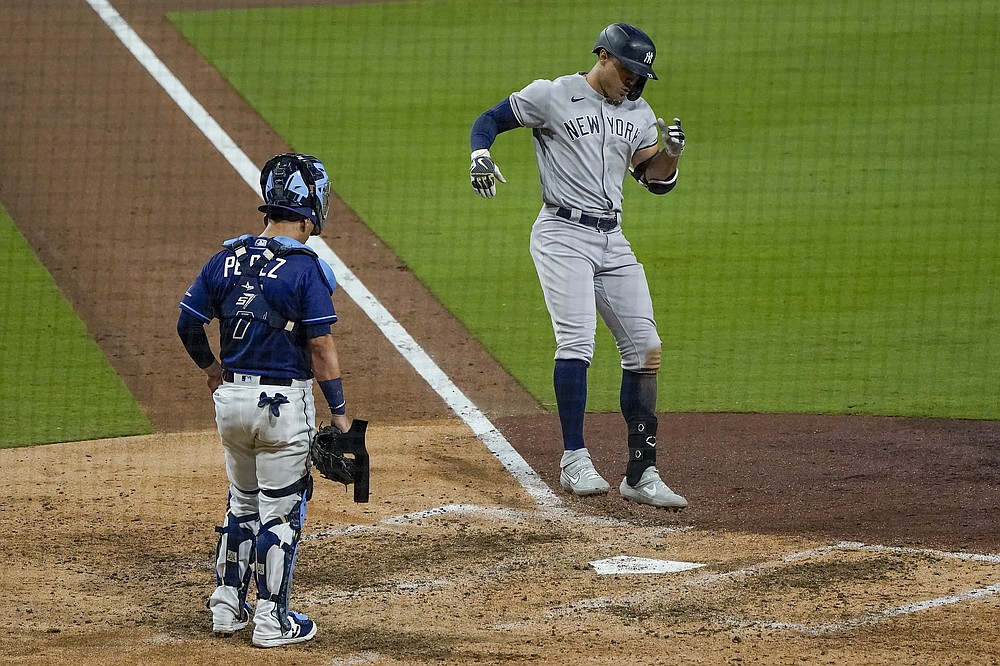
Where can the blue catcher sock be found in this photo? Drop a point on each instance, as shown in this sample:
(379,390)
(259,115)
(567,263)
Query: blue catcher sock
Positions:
(569,378)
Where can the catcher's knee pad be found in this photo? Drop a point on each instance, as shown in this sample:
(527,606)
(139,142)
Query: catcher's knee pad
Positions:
(641,447)
(277,546)
(235,550)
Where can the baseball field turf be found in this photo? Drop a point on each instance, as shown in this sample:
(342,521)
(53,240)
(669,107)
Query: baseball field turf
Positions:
(832,245)
(46,345)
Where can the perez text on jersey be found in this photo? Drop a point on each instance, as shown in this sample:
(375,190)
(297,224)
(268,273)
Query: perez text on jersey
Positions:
(295,287)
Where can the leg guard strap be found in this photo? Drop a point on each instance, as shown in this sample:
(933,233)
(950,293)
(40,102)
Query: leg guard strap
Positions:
(302,484)
(641,447)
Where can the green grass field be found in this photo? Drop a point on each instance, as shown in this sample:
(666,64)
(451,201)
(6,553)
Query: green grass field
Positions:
(46,345)
(832,246)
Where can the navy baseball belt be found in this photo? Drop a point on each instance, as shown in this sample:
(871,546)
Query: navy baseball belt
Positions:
(602,224)
(257,380)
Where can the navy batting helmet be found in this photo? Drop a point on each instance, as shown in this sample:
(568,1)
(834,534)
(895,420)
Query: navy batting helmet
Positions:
(634,50)
(296,183)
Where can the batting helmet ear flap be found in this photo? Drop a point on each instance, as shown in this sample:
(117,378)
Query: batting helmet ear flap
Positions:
(635,92)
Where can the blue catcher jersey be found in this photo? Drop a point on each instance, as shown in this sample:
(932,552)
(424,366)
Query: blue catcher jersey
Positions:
(268,314)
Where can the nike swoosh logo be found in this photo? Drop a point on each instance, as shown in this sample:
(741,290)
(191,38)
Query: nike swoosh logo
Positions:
(577,99)
(574,479)
(649,490)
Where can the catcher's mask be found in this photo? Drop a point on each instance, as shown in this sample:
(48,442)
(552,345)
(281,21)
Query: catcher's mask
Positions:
(634,50)
(296,183)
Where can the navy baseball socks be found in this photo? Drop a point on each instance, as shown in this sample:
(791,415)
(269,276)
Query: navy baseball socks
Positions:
(569,379)
(642,483)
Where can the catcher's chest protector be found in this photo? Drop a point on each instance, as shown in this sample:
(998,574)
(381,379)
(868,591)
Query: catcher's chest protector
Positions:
(245,298)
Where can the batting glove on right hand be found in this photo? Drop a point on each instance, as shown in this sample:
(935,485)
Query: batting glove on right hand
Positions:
(483,171)
(673,137)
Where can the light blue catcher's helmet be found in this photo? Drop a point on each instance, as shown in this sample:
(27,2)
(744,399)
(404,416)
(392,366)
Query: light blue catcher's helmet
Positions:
(296,183)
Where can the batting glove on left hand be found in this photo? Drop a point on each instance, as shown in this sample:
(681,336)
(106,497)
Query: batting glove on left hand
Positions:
(673,137)
(483,171)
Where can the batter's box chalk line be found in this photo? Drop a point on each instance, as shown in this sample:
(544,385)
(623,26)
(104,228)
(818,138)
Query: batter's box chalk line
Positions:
(357,659)
(864,619)
(500,513)
(403,587)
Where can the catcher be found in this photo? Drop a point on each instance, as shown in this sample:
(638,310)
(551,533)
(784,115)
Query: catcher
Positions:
(272,296)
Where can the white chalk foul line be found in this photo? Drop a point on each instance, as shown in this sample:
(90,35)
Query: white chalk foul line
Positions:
(867,618)
(709,579)
(987,558)
(425,366)
(408,518)
(359,293)
(871,618)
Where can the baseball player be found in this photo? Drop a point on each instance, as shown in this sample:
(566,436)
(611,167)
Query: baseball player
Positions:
(589,130)
(272,296)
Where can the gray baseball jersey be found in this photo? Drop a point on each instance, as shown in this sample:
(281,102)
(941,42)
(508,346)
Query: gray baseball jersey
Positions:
(583,143)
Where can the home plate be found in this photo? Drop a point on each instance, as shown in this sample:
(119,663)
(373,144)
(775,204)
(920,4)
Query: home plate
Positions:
(623,564)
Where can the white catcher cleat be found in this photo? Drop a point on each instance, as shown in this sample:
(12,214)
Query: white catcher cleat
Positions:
(651,490)
(578,475)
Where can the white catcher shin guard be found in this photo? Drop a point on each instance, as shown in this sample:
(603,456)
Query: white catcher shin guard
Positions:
(277,548)
(233,569)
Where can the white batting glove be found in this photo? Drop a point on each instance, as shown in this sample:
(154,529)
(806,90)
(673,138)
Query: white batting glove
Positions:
(483,172)
(673,137)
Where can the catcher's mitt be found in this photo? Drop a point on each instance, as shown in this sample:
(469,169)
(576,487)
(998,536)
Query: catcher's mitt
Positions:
(328,449)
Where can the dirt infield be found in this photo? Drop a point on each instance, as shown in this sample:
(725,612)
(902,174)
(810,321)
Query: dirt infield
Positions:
(840,540)
(452,562)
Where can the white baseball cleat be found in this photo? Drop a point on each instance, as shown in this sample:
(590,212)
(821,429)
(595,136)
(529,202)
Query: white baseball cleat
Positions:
(578,475)
(651,490)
